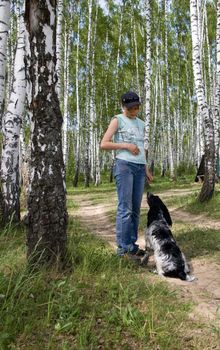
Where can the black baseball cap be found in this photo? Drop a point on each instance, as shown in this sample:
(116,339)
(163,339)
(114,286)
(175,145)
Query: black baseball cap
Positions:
(130,99)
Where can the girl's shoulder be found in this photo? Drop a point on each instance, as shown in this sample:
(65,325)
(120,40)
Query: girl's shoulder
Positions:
(119,118)
(141,122)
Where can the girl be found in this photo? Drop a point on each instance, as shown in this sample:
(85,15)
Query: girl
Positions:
(130,171)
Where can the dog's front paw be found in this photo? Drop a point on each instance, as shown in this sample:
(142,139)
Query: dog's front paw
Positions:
(191,278)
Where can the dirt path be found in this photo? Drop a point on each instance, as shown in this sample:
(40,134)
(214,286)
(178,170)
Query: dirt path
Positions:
(205,291)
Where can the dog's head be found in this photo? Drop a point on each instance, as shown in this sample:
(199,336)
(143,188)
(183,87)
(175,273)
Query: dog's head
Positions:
(157,207)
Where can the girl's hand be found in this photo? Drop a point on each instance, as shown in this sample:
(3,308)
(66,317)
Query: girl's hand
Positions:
(133,148)
(149,175)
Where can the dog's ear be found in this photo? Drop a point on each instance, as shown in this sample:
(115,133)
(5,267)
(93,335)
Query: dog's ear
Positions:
(166,213)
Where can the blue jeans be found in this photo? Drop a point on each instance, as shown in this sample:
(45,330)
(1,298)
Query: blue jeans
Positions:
(130,180)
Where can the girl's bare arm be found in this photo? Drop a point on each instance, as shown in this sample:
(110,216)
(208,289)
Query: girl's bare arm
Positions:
(107,143)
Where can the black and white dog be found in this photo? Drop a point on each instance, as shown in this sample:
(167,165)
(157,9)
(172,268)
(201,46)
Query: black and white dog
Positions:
(170,261)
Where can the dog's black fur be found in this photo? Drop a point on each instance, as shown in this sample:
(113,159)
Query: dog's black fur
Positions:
(170,261)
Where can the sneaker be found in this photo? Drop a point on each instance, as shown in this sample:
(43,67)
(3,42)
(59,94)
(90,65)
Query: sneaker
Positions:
(120,251)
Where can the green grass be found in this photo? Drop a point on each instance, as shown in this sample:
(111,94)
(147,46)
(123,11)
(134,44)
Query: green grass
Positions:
(198,243)
(71,204)
(103,188)
(191,204)
(165,183)
(103,302)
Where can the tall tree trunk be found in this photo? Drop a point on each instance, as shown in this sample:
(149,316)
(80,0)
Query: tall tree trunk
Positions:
(93,106)
(59,47)
(47,214)
(4,29)
(209,182)
(87,114)
(11,134)
(156,111)
(135,49)
(217,89)
(78,123)
(97,161)
(147,75)
(66,92)
(118,58)
(168,114)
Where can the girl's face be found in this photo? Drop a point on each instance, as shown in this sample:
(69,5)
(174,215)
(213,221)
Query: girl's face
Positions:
(131,112)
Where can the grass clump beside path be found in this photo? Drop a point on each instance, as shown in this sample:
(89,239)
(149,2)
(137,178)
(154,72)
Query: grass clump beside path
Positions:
(104,302)
(191,204)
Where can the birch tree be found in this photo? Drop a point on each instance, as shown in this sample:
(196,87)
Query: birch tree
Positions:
(11,134)
(217,86)
(66,92)
(204,109)
(118,54)
(59,46)
(47,214)
(4,29)
(78,121)
(168,114)
(87,113)
(147,75)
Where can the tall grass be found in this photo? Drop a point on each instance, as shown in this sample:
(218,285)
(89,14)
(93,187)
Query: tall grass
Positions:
(100,301)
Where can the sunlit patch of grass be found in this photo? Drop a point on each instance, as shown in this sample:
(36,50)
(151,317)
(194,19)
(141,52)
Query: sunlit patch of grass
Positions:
(104,187)
(209,208)
(191,204)
(71,204)
(166,183)
(197,242)
(12,247)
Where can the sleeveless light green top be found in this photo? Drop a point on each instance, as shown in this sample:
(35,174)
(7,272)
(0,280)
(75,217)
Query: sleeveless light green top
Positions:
(130,131)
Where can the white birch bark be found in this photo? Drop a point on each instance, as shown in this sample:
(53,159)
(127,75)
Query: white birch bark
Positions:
(118,58)
(59,46)
(11,133)
(93,138)
(78,122)
(147,83)
(136,60)
(163,132)
(169,132)
(178,136)
(209,85)
(87,112)
(156,111)
(97,167)
(66,94)
(4,30)
(22,151)
(216,113)
(209,182)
